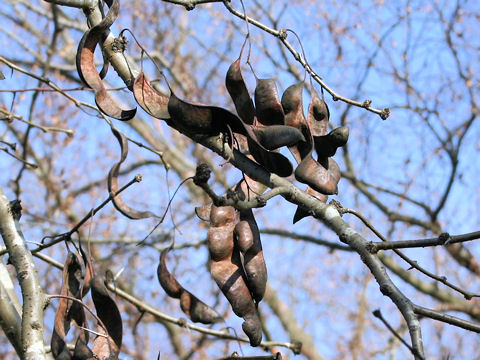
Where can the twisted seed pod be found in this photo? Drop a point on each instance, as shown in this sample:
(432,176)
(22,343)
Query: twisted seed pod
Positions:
(247,239)
(112,182)
(239,93)
(226,270)
(197,119)
(194,308)
(149,99)
(269,111)
(68,311)
(86,66)
(106,347)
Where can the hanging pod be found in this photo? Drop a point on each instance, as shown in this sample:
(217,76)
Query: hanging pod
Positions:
(197,119)
(88,72)
(268,108)
(107,346)
(112,183)
(247,239)
(239,93)
(68,311)
(195,309)
(227,271)
(149,99)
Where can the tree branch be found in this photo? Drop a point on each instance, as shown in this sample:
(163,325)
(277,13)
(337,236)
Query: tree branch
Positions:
(33,297)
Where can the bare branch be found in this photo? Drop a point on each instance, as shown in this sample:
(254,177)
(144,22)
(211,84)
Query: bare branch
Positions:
(33,297)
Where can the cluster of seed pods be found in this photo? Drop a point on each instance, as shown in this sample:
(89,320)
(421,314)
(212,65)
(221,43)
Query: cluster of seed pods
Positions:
(78,279)
(236,257)
(262,125)
(267,123)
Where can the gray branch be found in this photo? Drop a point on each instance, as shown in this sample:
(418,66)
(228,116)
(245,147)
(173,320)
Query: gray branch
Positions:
(10,319)
(32,347)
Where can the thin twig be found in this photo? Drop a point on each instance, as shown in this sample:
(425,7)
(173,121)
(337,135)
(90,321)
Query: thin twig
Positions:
(378,315)
(442,239)
(442,279)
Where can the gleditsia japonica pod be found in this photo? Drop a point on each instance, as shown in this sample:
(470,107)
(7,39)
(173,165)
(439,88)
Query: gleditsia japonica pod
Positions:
(226,269)
(193,307)
(247,239)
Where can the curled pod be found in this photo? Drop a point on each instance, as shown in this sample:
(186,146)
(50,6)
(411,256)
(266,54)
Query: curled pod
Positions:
(193,307)
(239,93)
(106,347)
(292,104)
(86,66)
(268,108)
(275,136)
(318,115)
(149,99)
(321,177)
(247,240)
(197,310)
(112,183)
(249,244)
(327,145)
(226,269)
(68,310)
(167,281)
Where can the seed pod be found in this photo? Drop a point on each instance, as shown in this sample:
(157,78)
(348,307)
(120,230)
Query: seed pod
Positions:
(68,310)
(327,145)
(267,103)
(112,183)
(293,107)
(322,178)
(239,93)
(275,136)
(226,269)
(247,239)
(318,115)
(86,66)
(149,99)
(194,308)
(106,347)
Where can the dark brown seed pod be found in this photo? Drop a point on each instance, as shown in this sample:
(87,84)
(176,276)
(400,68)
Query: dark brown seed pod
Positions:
(72,282)
(197,310)
(247,240)
(82,351)
(318,115)
(107,311)
(239,93)
(194,308)
(292,104)
(272,161)
(149,99)
(226,269)
(269,110)
(276,136)
(112,183)
(86,66)
(171,286)
(196,119)
(322,178)
(327,145)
